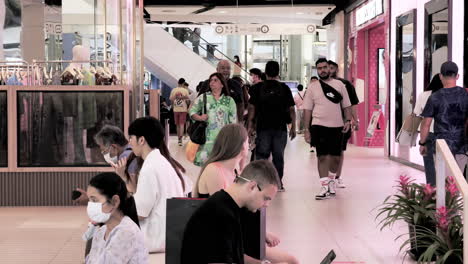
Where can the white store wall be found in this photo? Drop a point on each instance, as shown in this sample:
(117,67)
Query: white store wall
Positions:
(400,7)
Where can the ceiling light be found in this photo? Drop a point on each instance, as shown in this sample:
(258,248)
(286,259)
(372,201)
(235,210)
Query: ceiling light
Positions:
(223,12)
(299,13)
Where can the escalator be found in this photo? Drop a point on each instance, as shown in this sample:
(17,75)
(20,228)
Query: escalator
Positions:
(169,57)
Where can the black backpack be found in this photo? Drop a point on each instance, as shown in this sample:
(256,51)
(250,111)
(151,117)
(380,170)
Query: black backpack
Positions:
(273,100)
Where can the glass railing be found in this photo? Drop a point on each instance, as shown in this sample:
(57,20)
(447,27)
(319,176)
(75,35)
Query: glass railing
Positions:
(206,50)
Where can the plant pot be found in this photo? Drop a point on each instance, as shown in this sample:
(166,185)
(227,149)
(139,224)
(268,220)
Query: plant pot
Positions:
(416,250)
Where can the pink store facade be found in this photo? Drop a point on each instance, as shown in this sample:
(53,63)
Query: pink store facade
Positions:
(366,57)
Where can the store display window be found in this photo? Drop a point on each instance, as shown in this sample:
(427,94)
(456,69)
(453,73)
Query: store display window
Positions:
(405,67)
(436,37)
(57,128)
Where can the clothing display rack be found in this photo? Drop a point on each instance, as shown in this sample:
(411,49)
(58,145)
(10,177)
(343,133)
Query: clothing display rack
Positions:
(73,72)
(15,73)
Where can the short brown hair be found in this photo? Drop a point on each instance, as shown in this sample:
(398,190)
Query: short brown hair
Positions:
(262,172)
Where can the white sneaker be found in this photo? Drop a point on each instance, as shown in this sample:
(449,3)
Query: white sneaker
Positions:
(324,193)
(340,183)
(332,187)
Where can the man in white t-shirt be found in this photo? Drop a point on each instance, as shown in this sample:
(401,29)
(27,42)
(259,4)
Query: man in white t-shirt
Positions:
(323,103)
(179,97)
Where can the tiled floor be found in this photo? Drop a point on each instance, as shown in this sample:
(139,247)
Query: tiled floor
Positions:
(307,228)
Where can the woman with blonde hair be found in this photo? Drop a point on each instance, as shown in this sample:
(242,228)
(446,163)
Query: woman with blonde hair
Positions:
(230,149)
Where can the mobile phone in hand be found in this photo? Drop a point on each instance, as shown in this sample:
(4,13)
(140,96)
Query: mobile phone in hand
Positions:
(75,194)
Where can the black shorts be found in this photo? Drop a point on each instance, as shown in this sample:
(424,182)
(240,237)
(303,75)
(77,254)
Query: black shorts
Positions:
(327,140)
(346,137)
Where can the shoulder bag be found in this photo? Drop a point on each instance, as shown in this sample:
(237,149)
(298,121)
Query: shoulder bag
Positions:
(197,130)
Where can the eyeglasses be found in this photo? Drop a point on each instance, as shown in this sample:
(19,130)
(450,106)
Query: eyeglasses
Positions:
(247,180)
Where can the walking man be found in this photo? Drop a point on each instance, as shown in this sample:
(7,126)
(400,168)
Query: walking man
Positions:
(271,105)
(449,109)
(323,103)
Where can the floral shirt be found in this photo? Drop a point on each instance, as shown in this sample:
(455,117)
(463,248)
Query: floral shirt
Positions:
(125,245)
(220,113)
(449,108)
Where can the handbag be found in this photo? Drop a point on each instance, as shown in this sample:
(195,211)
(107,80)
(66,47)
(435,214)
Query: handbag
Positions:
(197,130)
(409,131)
(191,151)
(178,213)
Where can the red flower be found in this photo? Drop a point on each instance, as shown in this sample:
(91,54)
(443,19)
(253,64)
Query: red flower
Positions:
(429,191)
(451,186)
(443,219)
(404,183)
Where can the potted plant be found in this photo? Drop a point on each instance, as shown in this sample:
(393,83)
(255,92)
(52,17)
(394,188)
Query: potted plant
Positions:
(414,204)
(445,243)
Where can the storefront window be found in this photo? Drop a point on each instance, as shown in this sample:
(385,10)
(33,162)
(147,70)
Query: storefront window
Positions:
(405,72)
(57,129)
(3,130)
(435,37)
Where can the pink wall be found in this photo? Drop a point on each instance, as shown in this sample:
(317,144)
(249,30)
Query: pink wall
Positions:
(363,43)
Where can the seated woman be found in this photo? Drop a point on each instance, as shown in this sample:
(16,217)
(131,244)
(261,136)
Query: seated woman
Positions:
(119,240)
(230,148)
(160,178)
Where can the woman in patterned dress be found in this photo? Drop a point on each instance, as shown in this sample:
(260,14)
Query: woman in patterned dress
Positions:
(220,111)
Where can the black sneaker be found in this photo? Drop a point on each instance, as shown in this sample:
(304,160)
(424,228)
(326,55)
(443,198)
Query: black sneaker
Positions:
(180,142)
(332,187)
(324,193)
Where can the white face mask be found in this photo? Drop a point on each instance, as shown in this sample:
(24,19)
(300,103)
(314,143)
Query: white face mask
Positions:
(95,213)
(109,159)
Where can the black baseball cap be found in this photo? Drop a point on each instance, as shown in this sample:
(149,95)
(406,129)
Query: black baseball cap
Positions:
(449,68)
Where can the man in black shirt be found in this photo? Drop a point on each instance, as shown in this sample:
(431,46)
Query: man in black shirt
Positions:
(214,232)
(271,105)
(353,98)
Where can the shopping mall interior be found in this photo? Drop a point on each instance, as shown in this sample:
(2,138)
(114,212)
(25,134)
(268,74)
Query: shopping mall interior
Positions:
(70,69)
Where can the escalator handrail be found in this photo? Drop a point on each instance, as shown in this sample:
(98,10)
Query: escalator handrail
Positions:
(214,46)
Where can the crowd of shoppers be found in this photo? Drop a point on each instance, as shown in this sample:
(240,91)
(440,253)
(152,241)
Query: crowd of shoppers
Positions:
(129,207)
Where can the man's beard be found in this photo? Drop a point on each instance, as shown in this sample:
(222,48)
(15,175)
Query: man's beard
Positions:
(324,77)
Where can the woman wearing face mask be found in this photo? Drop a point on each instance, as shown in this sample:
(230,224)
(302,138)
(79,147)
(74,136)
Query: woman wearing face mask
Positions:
(221,110)
(160,178)
(119,240)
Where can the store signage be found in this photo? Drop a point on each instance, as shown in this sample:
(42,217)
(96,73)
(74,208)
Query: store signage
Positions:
(369,11)
(265,29)
(52,28)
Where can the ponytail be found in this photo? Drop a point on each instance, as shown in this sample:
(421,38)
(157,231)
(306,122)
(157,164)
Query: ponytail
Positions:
(128,208)
(110,184)
(179,169)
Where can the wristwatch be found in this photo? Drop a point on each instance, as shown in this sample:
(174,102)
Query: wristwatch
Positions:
(422,144)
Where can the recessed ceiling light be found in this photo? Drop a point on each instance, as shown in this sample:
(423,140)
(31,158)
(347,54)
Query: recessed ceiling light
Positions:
(223,12)
(299,13)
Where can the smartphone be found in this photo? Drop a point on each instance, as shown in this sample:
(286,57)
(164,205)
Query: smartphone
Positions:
(75,194)
(329,258)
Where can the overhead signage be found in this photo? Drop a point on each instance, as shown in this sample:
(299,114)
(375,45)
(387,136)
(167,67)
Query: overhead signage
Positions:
(52,28)
(369,11)
(265,29)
